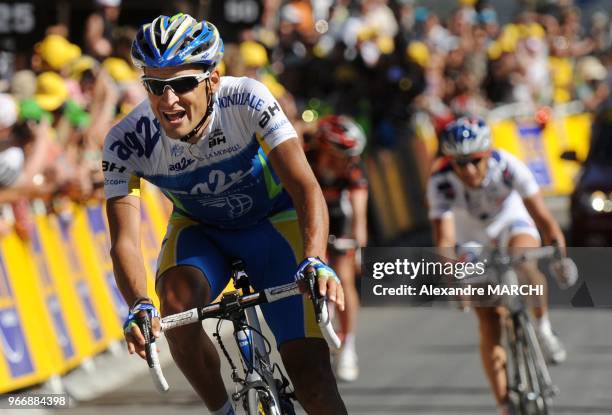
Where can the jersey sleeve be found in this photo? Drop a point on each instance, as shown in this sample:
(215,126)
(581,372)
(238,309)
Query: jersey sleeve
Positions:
(519,176)
(440,197)
(267,118)
(119,177)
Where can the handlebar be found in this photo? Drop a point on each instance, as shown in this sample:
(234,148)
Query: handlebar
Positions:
(342,244)
(533,254)
(219,310)
(151,353)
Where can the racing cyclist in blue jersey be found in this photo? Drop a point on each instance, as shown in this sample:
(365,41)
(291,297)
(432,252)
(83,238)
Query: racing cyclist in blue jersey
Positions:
(222,150)
(479,195)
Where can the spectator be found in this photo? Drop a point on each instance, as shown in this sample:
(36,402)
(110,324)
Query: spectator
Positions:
(99,28)
(592,88)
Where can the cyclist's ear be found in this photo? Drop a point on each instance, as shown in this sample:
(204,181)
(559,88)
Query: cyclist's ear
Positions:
(215,80)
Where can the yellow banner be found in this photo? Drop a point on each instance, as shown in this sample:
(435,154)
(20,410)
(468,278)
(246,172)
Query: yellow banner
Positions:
(541,148)
(27,354)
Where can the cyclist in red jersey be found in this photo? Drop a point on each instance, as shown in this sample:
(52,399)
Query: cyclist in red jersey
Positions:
(335,156)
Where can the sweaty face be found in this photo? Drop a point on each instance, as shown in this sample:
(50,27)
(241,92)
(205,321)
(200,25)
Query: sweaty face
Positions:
(179,113)
(471,170)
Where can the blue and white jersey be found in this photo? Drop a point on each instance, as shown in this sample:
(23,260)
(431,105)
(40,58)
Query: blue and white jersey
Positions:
(225,179)
(507,182)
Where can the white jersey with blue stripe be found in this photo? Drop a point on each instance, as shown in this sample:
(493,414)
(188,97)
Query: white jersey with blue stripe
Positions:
(223,180)
(507,182)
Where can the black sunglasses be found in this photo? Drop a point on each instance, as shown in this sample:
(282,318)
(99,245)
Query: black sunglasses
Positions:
(465,162)
(179,84)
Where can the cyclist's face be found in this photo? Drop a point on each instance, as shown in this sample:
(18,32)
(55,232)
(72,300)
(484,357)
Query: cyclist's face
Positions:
(472,169)
(179,113)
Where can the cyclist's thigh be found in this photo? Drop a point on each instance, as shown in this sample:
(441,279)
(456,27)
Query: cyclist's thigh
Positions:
(188,246)
(271,251)
(524,239)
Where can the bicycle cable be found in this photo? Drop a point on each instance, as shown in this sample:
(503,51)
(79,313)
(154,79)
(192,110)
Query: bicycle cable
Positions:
(226,353)
(223,349)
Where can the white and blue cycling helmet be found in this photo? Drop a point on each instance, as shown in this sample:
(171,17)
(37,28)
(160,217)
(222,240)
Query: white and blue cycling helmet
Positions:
(465,136)
(175,41)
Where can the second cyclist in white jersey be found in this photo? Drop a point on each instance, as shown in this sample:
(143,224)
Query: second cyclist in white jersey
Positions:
(485,196)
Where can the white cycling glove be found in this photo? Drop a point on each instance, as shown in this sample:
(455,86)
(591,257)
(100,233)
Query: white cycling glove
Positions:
(565,272)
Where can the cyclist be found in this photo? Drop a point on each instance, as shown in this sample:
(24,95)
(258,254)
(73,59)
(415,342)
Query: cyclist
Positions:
(221,149)
(335,159)
(478,194)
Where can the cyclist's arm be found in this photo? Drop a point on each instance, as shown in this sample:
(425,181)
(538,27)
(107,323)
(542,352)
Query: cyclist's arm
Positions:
(440,199)
(359,202)
(525,183)
(544,220)
(443,231)
(124,224)
(289,163)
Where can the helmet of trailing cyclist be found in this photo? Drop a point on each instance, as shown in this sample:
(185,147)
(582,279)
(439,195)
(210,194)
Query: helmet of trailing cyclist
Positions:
(465,136)
(175,41)
(340,133)
(169,42)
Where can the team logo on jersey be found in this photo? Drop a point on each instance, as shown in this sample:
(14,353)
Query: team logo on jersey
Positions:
(275,127)
(219,182)
(142,141)
(216,138)
(237,205)
(241,98)
(181,165)
(268,114)
(177,150)
(110,167)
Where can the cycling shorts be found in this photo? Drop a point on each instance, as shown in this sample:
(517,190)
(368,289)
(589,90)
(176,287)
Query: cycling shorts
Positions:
(270,251)
(512,220)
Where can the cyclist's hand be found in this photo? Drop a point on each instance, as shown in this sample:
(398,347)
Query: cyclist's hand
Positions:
(327,280)
(131,330)
(565,272)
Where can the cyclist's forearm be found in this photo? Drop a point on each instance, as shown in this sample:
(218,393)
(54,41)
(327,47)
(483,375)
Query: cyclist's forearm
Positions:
(359,201)
(291,166)
(130,274)
(544,220)
(314,221)
(443,232)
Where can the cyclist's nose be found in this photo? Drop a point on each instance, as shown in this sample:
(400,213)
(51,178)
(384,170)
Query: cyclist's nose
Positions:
(169,97)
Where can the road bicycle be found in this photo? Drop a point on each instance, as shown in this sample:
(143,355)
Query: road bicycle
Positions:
(262,388)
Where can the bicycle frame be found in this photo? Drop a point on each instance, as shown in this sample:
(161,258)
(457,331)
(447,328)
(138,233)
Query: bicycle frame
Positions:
(259,375)
(247,333)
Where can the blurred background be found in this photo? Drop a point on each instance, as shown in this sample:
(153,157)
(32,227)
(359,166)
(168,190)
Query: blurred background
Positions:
(538,70)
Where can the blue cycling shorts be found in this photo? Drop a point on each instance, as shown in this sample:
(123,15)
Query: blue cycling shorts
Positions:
(270,251)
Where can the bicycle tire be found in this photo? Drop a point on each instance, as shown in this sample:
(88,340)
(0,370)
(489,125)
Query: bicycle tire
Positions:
(257,406)
(532,399)
(536,365)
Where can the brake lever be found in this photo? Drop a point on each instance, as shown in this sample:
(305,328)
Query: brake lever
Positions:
(316,299)
(144,323)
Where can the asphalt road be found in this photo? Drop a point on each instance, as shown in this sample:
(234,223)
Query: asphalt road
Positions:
(417,361)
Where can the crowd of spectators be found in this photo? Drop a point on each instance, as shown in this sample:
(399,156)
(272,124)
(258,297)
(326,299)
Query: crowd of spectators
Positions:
(379,61)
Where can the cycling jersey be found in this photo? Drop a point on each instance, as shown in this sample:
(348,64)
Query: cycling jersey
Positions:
(225,179)
(336,190)
(495,207)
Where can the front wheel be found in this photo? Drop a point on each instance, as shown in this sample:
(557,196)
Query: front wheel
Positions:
(533,398)
(258,404)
